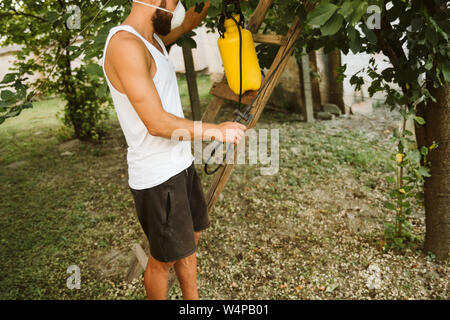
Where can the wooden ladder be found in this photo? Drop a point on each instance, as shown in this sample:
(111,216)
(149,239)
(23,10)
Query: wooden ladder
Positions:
(221,92)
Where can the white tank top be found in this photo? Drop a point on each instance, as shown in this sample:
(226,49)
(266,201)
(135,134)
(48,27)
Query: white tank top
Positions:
(151,160)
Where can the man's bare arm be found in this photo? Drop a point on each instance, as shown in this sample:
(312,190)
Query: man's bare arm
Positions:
(191,21)
(173,36)
(131,63)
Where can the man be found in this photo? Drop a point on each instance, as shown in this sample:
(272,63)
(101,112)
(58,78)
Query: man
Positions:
(167,192)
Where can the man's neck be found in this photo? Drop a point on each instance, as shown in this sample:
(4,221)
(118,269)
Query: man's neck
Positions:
(140,20)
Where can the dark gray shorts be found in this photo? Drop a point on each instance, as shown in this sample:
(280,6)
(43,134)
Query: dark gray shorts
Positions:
(170,213)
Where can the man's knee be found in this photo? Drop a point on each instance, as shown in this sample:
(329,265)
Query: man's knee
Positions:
(159,265)
(197,236)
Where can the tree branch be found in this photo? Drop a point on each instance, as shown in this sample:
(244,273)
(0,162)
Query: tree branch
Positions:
(17,13)
(391,49)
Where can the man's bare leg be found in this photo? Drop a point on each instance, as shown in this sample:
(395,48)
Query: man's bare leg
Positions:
(186,270)
(156,277)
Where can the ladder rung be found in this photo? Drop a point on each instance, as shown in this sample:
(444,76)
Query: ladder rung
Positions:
(269,39)
(223,91)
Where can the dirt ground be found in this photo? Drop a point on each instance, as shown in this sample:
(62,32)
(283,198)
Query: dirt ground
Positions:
(314,230)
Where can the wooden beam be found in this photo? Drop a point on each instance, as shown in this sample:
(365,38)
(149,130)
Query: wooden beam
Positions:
(307,88)
(258,15)
(269,39)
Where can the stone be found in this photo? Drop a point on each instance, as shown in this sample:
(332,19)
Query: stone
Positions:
(69,145)
(364,108)
(17,164)
(295,150)
(67,153)
(324,116)
(332,108)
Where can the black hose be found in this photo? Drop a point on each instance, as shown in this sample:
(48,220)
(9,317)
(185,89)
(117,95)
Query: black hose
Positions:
(239,106)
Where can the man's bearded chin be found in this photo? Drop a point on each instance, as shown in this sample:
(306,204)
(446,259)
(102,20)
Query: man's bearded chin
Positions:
(162,22)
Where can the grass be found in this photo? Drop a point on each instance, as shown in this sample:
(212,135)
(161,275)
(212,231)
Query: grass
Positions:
(308,232)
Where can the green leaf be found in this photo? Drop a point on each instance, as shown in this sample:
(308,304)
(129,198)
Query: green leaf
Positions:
(414,156)
(389,205)
(102,90)
(420,120)
(321,14)
(424,151)
(52,16)
(445,68)
(346,9)
(355,40)
(429,64)
(94,69)
(7,95)
(332,287)
(371,36)
(431,36)
(9,77)
(361,9)
(424,171)
(390,179)
(332,26)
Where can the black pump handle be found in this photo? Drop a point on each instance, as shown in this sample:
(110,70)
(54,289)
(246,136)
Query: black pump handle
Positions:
(226,14)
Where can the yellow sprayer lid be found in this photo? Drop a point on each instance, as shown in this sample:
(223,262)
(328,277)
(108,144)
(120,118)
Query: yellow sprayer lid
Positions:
(229,23)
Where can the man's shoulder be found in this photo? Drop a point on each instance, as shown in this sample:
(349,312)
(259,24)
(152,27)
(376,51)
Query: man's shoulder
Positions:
(124,46)
(124,40)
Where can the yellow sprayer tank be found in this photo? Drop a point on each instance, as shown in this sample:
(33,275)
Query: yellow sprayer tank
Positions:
(229,51)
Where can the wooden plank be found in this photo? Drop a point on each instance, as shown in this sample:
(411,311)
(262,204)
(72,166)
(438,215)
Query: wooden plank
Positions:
(224,172)
(135,269)
(269,39)
(140,255)
(141,259)
(212,109)
(307,89)
(223,91)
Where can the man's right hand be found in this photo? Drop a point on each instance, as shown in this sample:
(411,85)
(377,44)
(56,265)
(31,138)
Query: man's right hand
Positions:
(231,132)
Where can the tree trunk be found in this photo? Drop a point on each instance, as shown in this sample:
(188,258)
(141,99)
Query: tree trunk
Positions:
(191,77)
(306,100)
(70,94)
(437,187)
(315,86)
(335,88)
(301,102)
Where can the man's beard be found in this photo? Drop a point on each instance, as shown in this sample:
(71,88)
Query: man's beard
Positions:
(162,21)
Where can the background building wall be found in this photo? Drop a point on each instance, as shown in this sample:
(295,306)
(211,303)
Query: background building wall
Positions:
(207,59)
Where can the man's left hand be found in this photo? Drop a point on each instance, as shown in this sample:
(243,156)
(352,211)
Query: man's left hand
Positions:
(193,19)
